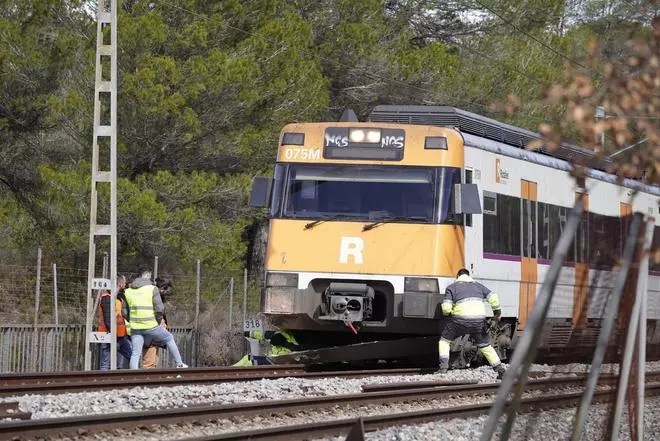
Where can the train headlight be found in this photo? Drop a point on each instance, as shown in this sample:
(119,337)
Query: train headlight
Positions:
(282,279)
(290,138)
(421,284)
(435,142)
(279,301)
(373,136)
(356,135)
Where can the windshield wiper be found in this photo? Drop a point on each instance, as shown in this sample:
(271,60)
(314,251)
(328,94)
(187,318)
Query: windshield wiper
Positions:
(327,218)
(392,219)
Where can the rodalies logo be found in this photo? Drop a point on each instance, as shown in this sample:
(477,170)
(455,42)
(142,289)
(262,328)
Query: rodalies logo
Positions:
(501,175)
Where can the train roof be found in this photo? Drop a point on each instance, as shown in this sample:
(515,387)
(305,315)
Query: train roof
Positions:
(474,124)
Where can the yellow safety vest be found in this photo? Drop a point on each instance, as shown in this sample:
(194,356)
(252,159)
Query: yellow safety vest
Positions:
(466,299)
(141,307)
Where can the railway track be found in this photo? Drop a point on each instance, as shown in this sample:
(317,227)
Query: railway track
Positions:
(107,424)
(65,382)
(377,422)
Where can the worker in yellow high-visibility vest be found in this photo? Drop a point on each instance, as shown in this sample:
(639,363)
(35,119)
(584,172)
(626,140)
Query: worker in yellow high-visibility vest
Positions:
(464,306)
(144,310)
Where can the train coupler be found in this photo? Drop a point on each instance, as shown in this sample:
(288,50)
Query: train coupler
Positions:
(347,302)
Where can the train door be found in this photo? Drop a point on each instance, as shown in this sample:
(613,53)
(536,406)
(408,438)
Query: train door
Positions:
(581,290)
(529,254)
(630,290)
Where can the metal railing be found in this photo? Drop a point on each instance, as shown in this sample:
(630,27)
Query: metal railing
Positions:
(50,348)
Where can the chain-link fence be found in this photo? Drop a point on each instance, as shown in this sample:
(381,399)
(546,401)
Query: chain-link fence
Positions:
(208,310)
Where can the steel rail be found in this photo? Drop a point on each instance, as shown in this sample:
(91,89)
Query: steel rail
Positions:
(16,385)
(376,422)
(60,427)
(377,387)
(127,374)
(578,380)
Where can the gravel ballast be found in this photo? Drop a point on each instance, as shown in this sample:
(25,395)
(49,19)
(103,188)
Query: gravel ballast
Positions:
(538,426)
(546,425)
(234,424)
(141,398)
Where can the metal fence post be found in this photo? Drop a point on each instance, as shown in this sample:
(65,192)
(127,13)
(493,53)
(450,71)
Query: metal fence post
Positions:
(197,293)
(37,295)
(245,290)
(38,289)
(231,302)
(634,328)
(526,350)
(641,362)
(155,267)
(55,306)
(606,328)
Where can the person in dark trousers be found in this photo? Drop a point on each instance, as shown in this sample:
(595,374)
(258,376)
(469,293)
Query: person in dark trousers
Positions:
(150,353)
(144,307)
(464,306)
(123,340)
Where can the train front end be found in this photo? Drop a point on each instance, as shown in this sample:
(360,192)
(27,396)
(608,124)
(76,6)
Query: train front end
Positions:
(366,228)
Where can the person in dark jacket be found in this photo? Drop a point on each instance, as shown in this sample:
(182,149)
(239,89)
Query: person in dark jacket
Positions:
(104,312)
(464,306)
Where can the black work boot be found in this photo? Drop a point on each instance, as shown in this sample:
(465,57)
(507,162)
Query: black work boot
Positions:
(444,367)
(500,371)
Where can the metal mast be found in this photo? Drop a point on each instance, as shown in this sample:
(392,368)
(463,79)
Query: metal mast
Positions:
(105,93)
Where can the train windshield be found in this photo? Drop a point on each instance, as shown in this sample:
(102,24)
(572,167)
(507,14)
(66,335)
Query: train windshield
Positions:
(364,193)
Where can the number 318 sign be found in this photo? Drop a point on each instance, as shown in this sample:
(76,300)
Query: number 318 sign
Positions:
(253,324)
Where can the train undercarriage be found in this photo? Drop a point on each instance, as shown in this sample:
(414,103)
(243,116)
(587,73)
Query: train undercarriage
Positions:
(366,321)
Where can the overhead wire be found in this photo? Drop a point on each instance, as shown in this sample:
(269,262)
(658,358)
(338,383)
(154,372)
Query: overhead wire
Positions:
(545,45)
(500,64)
(445,98)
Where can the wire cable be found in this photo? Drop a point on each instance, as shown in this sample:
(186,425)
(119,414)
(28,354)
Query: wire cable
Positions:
(445,98)
(517,29)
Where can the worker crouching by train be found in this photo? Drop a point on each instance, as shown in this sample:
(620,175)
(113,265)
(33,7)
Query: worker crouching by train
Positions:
(464,306)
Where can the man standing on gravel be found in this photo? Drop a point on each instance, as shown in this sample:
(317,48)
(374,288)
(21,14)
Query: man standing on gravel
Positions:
(145,311)
(104,312)
(466,313)
(150,351)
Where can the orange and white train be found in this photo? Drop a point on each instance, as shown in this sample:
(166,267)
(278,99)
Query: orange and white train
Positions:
(370,221)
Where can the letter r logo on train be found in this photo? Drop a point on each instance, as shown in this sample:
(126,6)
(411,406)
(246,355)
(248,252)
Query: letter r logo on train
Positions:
(351,246)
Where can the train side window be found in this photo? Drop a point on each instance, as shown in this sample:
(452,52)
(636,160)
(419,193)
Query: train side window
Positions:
(490,223)
(558,217)
(490,203)
(529,228)
(545,230)
(508,209)
(581,240)
(501,220)
(278,190)
(608,235)
(598,241)
(624,225)
(653,265)
(468,180)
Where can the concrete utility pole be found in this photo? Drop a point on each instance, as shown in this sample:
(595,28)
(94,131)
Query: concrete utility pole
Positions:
(105,91)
